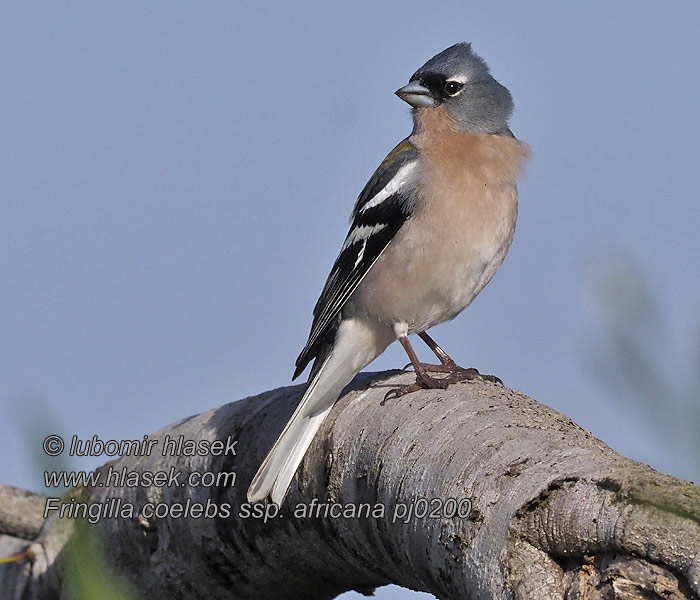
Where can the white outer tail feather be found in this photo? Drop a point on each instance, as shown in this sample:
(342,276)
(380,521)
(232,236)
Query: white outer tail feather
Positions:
(277,470)
(356,345)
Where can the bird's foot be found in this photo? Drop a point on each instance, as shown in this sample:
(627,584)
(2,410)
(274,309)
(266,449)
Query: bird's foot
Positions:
(450,367)
(433,368)
(458,374)
(423,382)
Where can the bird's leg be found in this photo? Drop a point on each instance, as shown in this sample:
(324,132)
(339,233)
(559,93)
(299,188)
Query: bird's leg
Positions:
(423,380)
(448,365)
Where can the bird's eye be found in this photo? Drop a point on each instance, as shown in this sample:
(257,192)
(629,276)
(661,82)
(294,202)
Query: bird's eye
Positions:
(452,88)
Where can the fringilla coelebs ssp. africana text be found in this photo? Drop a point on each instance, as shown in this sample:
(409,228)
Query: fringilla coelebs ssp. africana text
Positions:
(428,231)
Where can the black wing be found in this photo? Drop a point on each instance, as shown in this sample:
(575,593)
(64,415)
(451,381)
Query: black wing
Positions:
(381,209)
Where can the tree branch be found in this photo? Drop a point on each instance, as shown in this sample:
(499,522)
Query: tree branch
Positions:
(21,512)
(547,509)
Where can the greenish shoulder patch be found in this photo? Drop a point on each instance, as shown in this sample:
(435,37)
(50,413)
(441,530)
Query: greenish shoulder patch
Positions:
(401,147)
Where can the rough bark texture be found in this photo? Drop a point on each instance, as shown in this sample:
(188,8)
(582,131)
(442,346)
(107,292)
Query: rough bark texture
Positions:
(555,513)
(20,512)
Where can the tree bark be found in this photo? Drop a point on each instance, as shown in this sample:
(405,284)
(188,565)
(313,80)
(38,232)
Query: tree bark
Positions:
(547,511)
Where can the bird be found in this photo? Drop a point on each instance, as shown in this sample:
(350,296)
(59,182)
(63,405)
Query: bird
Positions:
(427,233)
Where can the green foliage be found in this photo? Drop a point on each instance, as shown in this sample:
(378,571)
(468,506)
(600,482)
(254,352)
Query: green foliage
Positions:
(88,574)
(635,356)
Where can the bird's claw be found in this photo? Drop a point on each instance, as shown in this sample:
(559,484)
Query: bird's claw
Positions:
(460,374)
(425,381)
(399,391)
(442,368)
(493,379)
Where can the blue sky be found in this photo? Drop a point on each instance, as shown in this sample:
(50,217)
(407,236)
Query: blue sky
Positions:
(176,180)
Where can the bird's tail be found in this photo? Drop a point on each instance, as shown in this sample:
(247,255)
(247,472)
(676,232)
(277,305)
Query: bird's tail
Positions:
(351,351)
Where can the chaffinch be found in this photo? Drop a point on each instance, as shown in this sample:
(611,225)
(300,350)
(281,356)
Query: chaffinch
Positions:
(427,233)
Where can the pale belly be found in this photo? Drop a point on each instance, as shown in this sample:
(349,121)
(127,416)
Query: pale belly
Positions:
(439,261)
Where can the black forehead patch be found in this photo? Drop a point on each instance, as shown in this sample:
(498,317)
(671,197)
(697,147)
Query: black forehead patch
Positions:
(435,82)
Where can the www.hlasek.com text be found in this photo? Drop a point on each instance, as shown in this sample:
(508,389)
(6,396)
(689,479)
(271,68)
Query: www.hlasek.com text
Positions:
(124,477)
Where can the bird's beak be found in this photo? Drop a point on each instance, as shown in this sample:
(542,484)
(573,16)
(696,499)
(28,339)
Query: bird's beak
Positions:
(416,95)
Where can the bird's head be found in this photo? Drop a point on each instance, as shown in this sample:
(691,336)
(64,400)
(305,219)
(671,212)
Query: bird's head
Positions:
(458,81)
